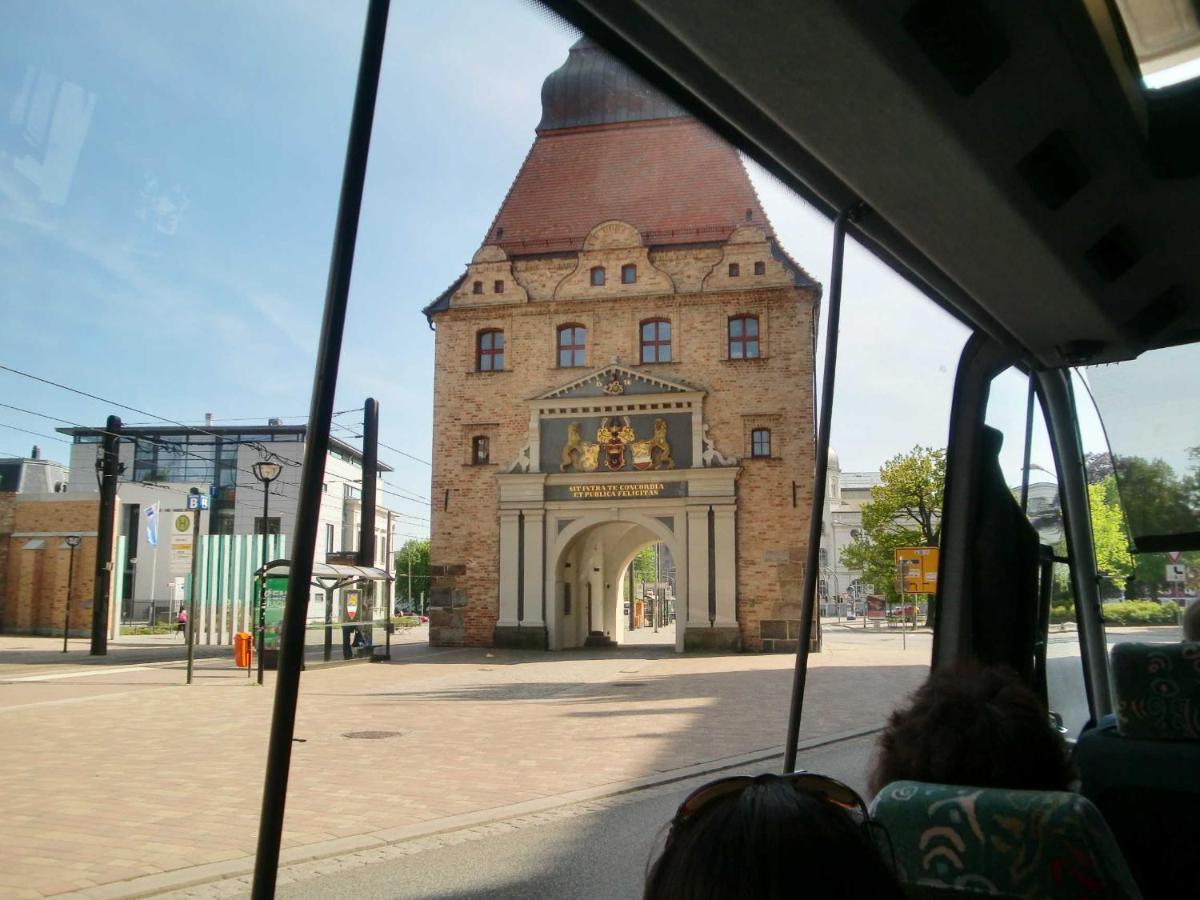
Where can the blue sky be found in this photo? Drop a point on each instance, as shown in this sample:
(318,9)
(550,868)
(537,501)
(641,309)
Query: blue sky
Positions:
(168,182)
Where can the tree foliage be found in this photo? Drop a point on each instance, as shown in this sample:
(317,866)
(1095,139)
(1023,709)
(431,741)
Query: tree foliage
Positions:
(1109,534)
(643,565)
(416,550)
(905,510)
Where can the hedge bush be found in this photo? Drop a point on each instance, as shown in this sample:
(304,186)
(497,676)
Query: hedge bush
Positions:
(1127,612)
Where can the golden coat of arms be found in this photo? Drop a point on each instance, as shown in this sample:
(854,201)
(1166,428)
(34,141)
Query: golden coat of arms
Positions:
(613,438)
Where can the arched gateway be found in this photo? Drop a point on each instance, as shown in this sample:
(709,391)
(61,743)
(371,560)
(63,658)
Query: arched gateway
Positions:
(627,359)
(615,460)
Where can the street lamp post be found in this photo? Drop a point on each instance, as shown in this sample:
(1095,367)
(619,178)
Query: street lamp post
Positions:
(266,472)
(73,541)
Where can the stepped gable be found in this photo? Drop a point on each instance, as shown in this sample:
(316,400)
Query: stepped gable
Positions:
(610,147)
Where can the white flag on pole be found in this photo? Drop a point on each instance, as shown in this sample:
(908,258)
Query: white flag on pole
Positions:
(152,524)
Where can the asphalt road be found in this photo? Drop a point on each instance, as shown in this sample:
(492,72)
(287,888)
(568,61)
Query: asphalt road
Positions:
(581,852)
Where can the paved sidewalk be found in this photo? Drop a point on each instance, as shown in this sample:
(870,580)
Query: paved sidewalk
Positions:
(122,781)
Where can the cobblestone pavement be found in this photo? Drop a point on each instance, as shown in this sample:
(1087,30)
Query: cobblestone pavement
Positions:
(120,780)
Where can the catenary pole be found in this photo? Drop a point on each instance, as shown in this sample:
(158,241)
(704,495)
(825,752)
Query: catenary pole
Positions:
(291,651)
(109,466)
(808,604)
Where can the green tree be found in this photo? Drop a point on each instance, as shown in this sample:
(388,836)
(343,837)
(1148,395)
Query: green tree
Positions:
(415,550)
(643,565)
(1109,534)
(905,510)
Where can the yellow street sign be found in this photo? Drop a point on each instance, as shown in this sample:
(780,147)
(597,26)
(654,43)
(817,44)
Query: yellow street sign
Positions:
(916,570)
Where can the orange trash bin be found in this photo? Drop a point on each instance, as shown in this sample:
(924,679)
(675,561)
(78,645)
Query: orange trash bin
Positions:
(243,649)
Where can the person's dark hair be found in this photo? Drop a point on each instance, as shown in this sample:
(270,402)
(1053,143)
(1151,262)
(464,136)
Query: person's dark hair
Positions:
(1191,622)
(769,841)
(973,726)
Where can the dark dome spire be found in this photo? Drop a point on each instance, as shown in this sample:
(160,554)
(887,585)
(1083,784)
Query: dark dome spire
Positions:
(592,88)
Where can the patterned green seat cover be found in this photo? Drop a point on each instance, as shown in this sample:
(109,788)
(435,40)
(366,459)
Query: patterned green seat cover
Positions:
(950,838)
(1158,690)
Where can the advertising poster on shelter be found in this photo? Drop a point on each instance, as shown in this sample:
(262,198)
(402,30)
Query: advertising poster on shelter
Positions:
(276,597)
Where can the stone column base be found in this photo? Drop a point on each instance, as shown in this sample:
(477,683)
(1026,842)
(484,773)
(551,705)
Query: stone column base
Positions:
(518,637)
(726,639)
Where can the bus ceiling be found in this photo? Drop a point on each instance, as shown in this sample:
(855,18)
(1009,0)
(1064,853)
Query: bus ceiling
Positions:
(1018,169)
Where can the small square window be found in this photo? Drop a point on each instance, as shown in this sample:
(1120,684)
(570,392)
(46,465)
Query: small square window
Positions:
(629,274)
(481,451)
(597,276)
(498,287)
(734,270)
(760,268)
(477,287)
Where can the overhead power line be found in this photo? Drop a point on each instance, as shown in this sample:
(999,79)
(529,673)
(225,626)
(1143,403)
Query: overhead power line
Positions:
(40,434)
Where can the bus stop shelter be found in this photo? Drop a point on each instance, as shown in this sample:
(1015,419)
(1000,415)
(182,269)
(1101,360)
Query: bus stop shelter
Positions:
(330,577)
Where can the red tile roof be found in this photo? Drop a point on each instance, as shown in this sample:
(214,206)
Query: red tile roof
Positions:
(672,179)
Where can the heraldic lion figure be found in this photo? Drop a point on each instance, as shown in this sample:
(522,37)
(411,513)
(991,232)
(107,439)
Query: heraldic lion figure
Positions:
(582,455)
(644,450)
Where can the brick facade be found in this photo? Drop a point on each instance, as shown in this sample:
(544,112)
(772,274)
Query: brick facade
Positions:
(697,272)
(34,564)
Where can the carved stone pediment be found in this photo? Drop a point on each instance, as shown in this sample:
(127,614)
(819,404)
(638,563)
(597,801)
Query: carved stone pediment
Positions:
(615,380)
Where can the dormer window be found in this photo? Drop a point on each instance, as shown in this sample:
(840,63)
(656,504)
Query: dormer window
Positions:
(477,287)
(597,276)
(734,270)
(629,274)
(498,287)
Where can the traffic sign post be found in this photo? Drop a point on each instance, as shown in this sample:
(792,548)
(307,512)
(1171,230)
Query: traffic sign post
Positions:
(195,502)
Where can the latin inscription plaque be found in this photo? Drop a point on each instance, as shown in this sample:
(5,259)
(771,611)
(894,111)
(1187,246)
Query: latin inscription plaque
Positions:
(617,490)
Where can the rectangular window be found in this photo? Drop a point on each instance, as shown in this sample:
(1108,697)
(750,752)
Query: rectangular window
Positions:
(760,268)
(571,344)
(656,341)
(329,537)
(743,337)
(760,442)
(489,351)
(629,274)
(734,270)
(481,450)
(498,287)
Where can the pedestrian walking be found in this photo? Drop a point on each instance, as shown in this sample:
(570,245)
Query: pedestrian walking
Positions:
(181,623)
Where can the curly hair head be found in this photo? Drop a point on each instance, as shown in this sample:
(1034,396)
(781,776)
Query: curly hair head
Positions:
(973,726)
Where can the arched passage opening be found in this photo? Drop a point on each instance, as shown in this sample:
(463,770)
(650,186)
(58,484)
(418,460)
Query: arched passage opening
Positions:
(590,571)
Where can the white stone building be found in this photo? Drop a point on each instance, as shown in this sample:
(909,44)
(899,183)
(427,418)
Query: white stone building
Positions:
(839,587)
(162,464)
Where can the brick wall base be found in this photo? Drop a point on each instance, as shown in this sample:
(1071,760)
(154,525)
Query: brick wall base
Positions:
(516,637)
(718,640)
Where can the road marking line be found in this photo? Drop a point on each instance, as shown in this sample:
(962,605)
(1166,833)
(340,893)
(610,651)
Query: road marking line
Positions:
(86,673)
(69,700)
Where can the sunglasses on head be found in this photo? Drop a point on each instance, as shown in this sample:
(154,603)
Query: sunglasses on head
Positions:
(822,787)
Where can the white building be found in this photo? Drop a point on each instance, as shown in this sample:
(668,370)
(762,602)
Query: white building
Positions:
(163,463)
(32,475)
(841,522)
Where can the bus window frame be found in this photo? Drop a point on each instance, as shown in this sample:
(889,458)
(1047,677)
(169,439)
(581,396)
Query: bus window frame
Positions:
(982,360)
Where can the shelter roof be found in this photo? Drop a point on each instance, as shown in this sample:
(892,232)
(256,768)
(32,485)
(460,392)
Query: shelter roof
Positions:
(342,573)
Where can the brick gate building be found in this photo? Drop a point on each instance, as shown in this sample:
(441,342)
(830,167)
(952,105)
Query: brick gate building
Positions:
(627,359)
